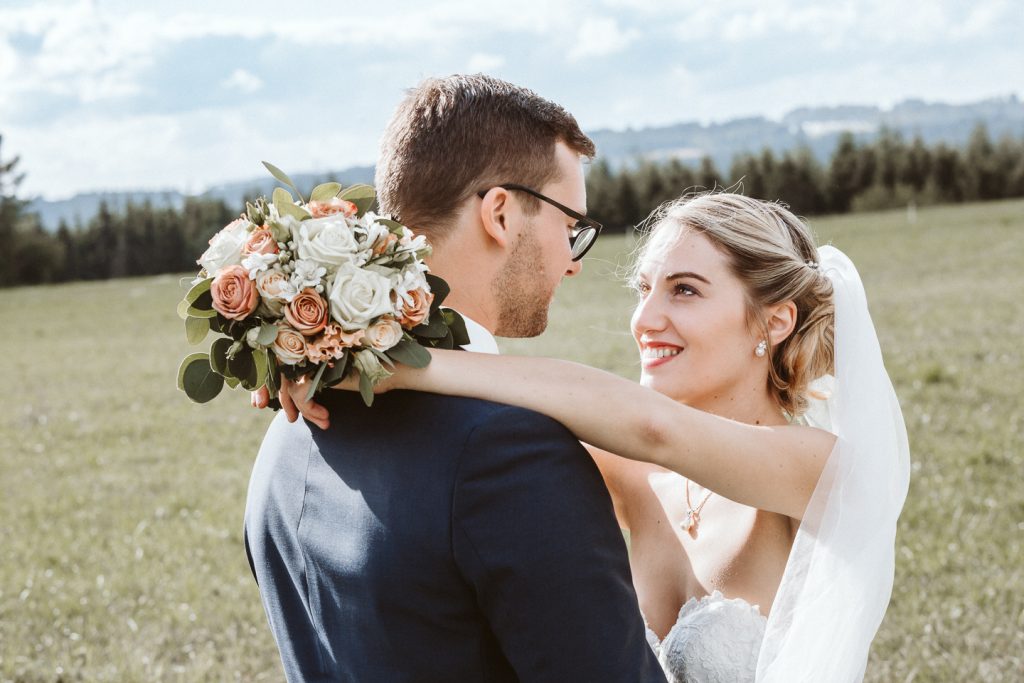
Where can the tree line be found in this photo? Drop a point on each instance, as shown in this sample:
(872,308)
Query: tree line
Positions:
(886,172)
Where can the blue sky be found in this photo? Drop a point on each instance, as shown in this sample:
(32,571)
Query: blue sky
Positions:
(114,94)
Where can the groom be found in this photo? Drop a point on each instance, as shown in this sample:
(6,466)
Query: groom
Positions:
(432,538)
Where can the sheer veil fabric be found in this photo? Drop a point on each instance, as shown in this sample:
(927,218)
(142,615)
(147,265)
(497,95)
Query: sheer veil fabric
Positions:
(839,577)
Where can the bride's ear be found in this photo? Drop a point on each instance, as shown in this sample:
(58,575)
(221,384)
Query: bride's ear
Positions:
(494,215)
(780,321)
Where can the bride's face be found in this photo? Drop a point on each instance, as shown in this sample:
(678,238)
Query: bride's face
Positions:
(690,323)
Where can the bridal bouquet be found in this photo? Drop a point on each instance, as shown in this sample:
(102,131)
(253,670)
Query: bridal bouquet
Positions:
(316,289)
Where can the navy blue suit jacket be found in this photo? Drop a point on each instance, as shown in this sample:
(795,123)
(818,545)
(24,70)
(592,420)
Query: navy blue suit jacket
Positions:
(432,538)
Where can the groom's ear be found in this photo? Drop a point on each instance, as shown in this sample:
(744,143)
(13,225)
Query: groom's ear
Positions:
(781,321)
(494,215)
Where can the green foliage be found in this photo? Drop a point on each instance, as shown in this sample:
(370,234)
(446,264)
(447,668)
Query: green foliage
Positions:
(885,173)
(363,196)
(283,177)
(197,379)
(324,192)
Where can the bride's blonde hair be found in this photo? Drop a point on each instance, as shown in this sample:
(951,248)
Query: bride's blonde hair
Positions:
(774,255)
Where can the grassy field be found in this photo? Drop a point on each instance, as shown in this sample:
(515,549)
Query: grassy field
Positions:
(121,502)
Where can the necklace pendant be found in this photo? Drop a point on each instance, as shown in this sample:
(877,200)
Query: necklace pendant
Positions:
(690,521)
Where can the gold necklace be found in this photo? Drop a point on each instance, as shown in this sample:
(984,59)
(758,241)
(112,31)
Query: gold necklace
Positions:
(693,514)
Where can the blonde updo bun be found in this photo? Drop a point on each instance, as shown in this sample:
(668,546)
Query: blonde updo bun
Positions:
(774,255)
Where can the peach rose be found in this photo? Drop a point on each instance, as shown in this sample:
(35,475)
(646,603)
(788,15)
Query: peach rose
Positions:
(332,206)
(289,346)
(307,312)
(261,241)
(384,334)
(234,294)
(332,343)
(415,313)
(383,243)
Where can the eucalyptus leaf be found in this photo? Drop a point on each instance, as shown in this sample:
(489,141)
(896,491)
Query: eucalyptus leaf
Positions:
(267,335)
(183,307)
(315,384)
(296,212)
(457,325)
(262,366)
(243,366)
(219,356)
(282,176)
(382,357)
(282,198)
(408,352)
(363,196)
(440,290)
(324,192)
(198,290)
(202,306)
(393,226)
(433,328)
(336,373)
(196,329)
(366,389)
(232,382)
(198,380)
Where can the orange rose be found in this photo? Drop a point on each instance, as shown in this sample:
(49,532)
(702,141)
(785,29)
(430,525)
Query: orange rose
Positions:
(234,295)
(289,346)
(332,343)
(307,312)
(383,243)
(415,313)
(261,241)
(331,207)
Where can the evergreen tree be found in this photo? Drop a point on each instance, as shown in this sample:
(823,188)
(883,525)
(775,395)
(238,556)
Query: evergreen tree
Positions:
(11,209)
(844,174)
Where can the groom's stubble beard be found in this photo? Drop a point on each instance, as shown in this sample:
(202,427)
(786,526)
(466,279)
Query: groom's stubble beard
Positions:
(520,290)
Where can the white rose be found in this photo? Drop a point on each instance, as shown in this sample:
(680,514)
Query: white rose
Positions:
(358,296)
(225,247)
(329,241)
(384,334)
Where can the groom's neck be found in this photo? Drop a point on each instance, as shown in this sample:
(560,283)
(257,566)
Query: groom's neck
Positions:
(471,285)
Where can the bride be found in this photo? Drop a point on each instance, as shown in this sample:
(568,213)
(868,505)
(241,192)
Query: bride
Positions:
(761,463)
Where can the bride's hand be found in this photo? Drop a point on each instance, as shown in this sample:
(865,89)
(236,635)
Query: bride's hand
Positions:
(293,401)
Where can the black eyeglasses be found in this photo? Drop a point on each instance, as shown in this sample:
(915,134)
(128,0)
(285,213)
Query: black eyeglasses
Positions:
(584,232)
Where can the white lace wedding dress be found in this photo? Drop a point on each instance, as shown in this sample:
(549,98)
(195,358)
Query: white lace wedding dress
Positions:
(714,640)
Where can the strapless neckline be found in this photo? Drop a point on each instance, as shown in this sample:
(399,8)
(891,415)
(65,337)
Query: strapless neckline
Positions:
(714,638)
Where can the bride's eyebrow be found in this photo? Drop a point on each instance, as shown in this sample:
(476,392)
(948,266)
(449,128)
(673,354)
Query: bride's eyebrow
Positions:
(686,274)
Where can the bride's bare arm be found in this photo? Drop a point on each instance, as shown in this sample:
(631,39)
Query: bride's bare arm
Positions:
(771,468)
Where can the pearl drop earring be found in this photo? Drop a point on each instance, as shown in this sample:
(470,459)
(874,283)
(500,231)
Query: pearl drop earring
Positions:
(762,348)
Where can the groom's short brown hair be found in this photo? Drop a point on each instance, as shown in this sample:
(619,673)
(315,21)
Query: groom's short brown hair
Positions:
(452,137)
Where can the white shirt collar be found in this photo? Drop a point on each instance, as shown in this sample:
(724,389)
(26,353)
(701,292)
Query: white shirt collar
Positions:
(480,339)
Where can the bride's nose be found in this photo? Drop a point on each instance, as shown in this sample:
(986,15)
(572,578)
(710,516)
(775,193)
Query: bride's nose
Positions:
(648,316)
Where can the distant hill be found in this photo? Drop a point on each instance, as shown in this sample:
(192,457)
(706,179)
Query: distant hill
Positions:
(82,207)
(817,127)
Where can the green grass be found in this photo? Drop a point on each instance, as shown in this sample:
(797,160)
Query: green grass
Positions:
(121,503)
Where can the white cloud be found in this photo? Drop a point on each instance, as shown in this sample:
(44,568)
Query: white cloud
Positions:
(243,81)
(601,37)
(484,63)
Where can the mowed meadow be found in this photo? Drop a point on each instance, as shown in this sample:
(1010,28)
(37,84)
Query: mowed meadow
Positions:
(121,553)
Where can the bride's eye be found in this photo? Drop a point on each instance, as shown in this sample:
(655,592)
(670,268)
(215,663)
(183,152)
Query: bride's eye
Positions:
(685,290)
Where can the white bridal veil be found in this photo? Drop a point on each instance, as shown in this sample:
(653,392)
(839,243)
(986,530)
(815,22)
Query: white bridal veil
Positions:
(839,577)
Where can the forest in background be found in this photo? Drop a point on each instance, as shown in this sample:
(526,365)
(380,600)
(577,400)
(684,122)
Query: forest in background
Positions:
(886,172)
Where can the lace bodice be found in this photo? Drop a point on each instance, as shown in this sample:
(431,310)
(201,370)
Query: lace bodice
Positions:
(714,640)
